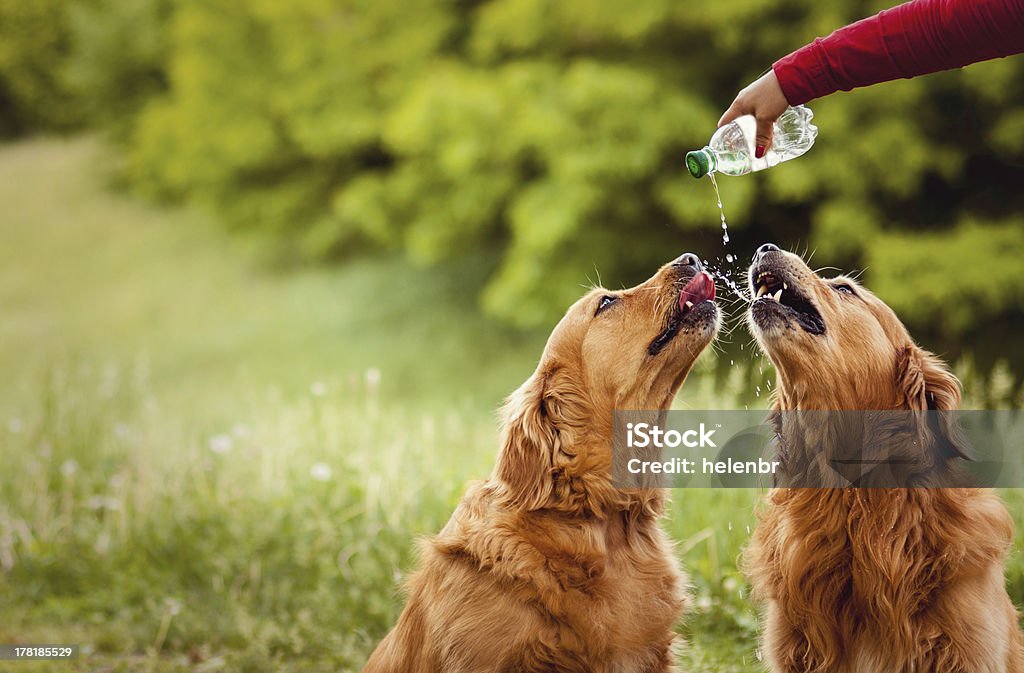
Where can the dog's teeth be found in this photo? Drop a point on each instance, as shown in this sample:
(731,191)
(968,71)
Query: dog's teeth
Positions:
(785,286)
(689,304)
(777,296)
(760,291)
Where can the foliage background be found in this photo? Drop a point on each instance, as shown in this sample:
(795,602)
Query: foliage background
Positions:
(546,133)
(276,236)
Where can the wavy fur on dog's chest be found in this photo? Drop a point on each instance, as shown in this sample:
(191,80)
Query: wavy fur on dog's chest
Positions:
(853,566)
(599,591)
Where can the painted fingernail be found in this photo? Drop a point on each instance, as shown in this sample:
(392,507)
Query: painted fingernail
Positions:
(759,151)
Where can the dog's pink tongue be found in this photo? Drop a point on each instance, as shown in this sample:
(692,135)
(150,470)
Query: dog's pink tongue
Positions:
(700,288)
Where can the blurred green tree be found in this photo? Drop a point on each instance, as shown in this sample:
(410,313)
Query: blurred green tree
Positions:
(548,132)
(119,54)
(34,47)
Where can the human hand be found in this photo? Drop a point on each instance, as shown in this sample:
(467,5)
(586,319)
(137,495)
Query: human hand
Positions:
(764,99)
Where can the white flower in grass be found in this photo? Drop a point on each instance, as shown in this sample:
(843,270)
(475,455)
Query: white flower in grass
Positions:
(103,502)
(172,605)
(221,444)
(320,471)
(318,389)
(15,426)
(68,468)
(372,378)
(240,430)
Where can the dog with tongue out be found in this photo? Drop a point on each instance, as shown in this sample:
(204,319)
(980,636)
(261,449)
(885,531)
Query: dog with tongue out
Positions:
(548,565)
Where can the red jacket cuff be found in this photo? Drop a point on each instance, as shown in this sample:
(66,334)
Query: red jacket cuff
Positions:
(802,75)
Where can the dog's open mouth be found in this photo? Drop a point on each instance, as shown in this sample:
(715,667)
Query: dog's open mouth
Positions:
(696,301)
(775,291)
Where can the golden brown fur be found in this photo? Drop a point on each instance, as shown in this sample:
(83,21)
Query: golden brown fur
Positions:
(545,566)
(873,580)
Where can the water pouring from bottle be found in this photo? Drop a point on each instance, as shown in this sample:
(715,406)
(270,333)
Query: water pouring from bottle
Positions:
(731,151)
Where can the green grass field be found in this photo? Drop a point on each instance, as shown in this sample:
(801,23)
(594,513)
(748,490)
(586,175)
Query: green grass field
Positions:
(210,465)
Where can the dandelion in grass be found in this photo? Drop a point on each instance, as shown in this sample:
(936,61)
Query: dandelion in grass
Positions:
(318,389)
(240,430)
(221,444)
(320,472)
(373,379)
(68,468)
(15,426)
(99,502)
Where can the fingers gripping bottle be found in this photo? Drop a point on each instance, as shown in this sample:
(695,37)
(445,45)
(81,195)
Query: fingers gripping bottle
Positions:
(731,150)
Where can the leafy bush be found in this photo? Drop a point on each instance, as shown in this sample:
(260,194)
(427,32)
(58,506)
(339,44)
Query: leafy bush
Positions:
(119,53)
(34,47)
(65,64)
(553,131)
(550,133)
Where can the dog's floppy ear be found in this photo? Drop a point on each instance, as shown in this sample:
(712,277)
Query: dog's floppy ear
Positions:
(926,384)
(540,421)
(525,462)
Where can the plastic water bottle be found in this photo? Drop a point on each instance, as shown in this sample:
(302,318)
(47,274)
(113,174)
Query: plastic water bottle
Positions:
(731,150)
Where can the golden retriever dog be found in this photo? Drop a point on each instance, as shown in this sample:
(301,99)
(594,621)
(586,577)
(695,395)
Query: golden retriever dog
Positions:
(546,566)
(869,580)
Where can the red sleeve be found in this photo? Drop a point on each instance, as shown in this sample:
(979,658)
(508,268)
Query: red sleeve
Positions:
(914,38)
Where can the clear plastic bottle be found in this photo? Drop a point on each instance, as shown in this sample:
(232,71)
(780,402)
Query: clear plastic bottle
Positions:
(731,150)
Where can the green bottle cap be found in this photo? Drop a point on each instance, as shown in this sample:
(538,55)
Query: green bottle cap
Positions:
(698,163)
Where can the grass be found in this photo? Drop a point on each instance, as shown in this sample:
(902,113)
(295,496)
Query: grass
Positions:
(215,467)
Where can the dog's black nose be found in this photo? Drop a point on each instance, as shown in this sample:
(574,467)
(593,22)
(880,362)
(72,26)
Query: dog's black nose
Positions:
(764,249)
(688,259)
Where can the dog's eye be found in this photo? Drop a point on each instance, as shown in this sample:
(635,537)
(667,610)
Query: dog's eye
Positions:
(605,302)
(846,289)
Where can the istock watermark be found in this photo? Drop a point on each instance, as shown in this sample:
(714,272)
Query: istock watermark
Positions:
(642,435)
(818,449)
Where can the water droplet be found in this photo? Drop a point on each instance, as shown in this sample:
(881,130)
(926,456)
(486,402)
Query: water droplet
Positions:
(729,257)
